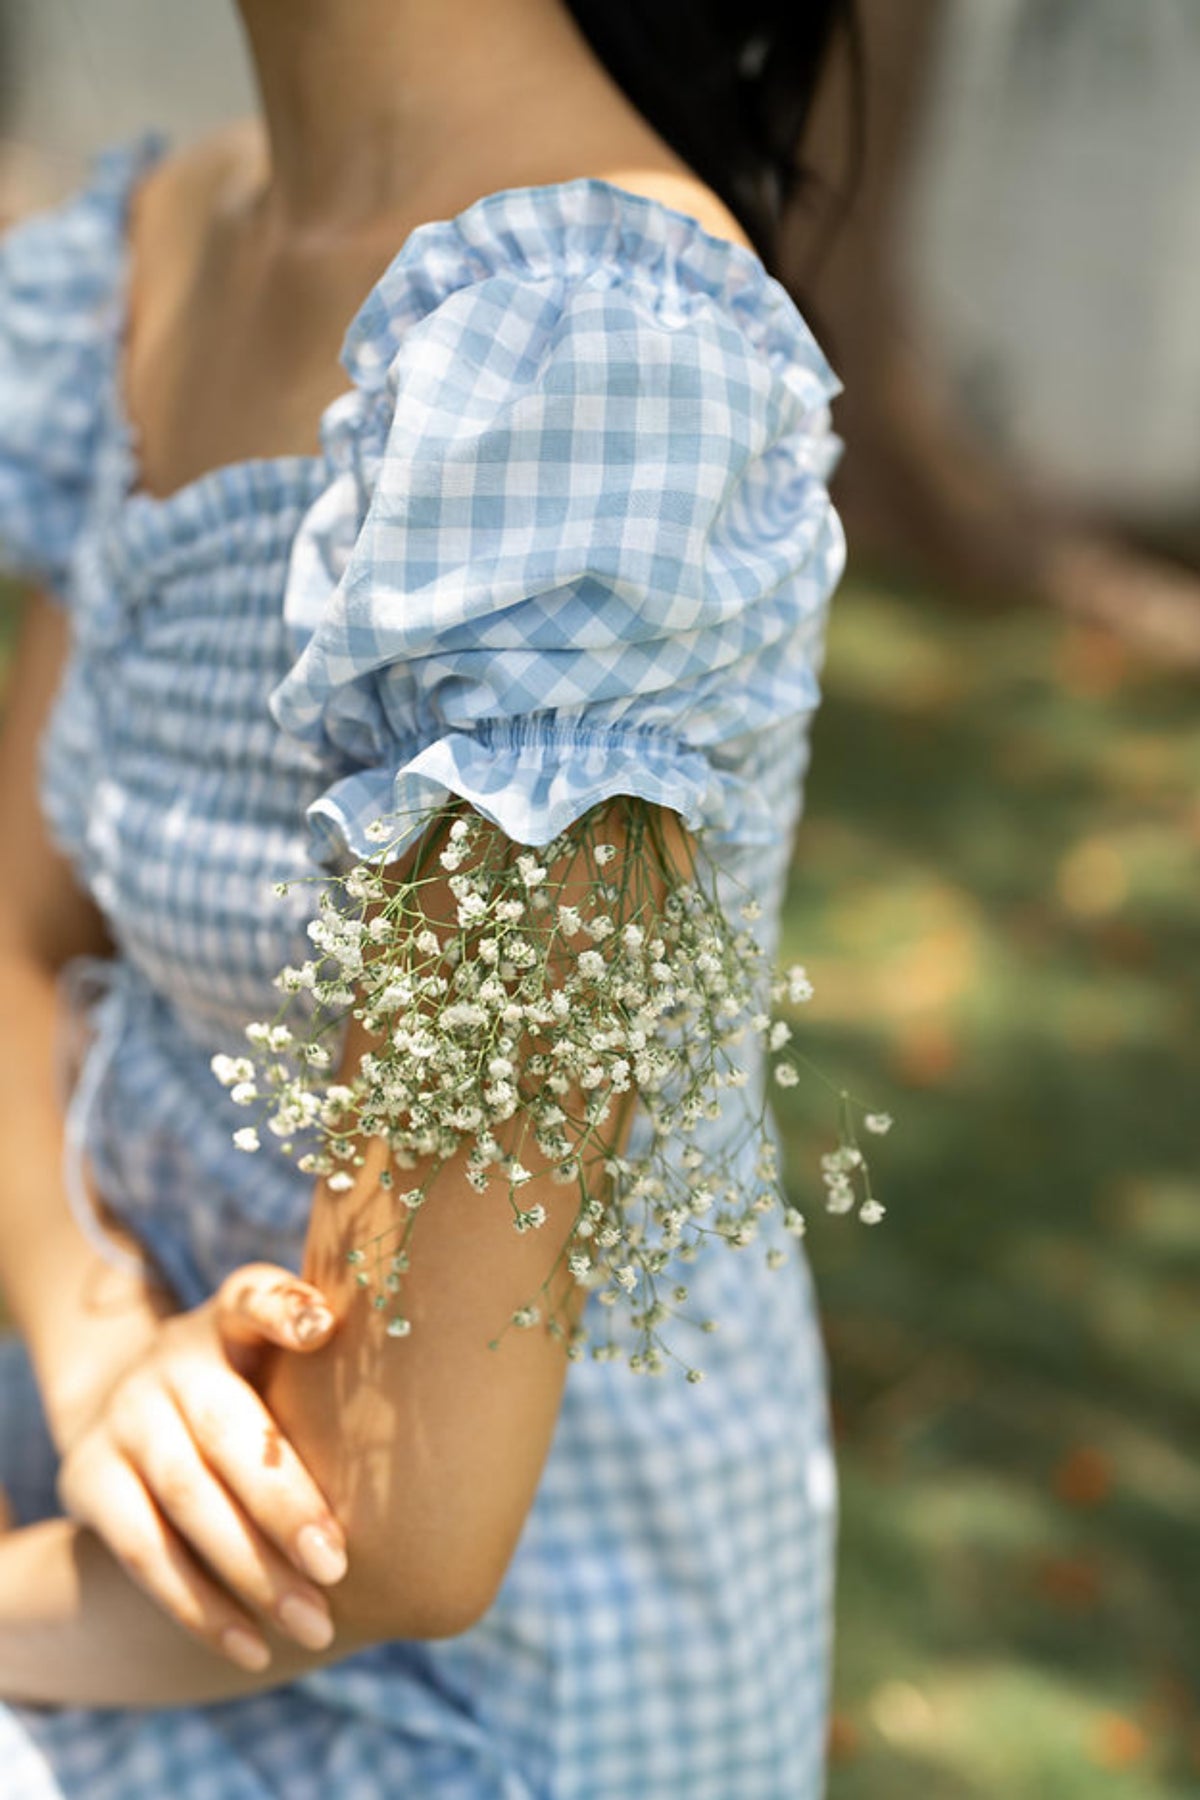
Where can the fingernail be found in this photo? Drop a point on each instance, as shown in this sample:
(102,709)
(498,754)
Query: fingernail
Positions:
(245,1649)
(306,1622)
(312,1322)
(321,1558)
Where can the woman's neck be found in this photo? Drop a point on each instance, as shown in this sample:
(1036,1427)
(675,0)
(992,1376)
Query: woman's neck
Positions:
(363,99)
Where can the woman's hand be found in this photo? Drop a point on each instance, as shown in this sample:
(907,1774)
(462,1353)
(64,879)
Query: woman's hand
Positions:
(184,1474)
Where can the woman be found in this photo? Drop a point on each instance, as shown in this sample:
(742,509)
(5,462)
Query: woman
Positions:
(562,550)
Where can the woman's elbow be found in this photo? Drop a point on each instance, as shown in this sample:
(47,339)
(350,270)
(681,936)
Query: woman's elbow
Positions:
(409,1588)
(430,1465)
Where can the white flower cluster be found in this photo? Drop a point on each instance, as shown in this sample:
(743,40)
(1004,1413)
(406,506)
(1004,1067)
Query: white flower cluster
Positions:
(520,1020)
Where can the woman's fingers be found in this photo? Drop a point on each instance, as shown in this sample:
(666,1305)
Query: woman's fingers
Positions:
(262,1303)
(213,1525)
(241,1442)
(196,1491)
(100,1489)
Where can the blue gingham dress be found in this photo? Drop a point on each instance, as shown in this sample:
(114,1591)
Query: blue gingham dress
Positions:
(568,537)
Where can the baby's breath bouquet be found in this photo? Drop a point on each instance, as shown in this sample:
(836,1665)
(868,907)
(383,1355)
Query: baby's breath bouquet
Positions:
(521,1006)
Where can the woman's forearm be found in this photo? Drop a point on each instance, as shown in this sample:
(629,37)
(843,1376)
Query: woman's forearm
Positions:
(77,1313)
(75,1631)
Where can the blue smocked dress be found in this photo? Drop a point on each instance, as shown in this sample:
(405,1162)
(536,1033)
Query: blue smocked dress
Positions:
(568,537)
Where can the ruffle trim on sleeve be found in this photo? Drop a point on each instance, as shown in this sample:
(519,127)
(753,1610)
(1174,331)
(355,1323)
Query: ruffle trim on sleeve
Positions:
(571,229)
(532,780)
(61,300)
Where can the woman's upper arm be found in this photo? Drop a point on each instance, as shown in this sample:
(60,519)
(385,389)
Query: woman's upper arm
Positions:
(44,914)
(429,1449)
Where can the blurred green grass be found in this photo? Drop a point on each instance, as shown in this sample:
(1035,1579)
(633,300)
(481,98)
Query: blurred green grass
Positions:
(996,894)
(995,890)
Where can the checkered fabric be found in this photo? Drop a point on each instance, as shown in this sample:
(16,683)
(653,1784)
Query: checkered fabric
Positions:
(578,539)
(568,537)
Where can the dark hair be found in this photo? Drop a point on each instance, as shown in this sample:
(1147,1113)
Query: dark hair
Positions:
(728,84)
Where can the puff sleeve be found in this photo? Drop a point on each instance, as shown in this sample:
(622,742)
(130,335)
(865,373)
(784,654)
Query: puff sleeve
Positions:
(577,540)
(61,279)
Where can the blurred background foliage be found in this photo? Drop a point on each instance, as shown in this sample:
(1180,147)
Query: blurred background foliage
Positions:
(995,893)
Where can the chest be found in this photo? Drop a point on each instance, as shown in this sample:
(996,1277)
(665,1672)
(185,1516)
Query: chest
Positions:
(232,352)
(165,779)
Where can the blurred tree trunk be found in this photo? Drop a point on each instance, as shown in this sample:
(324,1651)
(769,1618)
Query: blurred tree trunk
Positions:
(921,491)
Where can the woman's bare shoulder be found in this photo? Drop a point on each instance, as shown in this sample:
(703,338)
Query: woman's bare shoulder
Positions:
(681,190)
